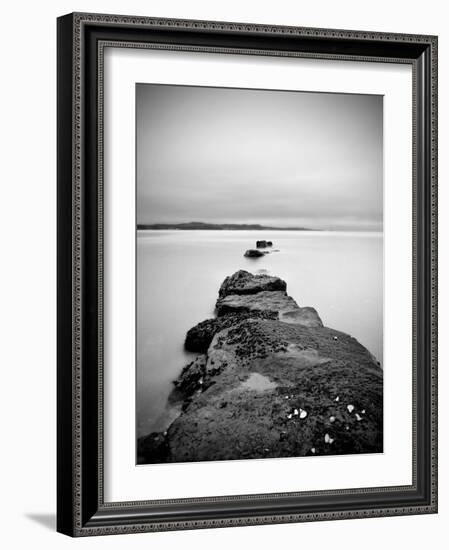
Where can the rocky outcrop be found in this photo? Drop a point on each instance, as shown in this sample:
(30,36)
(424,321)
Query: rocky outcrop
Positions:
(263,244)
(252,253)
(306,316)
(273,301)
(271,381)
(200,336)
(153,447)
(243,282)
(192,376)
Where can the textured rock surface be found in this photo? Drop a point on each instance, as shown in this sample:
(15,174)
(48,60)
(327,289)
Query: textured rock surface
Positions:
(305,370)
(273,387)
(253,253)
(274,301)
(243,282)
(199,337)
(306,316)
(192,376)
(154,448)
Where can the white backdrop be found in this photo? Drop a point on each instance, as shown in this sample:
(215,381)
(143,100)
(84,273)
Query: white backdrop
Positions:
(28,207)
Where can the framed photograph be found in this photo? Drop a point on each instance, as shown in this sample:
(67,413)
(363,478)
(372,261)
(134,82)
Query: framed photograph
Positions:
(247,280)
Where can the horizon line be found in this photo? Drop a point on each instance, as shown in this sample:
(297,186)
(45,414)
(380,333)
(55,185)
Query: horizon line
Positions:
(346,227)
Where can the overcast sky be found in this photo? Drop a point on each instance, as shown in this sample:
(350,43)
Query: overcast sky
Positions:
(257,156)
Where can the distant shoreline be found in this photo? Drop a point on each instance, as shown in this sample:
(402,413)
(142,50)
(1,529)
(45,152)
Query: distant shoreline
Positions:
(219,227)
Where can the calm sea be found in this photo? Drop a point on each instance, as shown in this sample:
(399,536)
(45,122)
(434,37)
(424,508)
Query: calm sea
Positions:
(179,274)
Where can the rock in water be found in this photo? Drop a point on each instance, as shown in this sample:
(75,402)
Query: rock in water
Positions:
(152,449)
(191,376)
(261,244)
(306,316)
(243,282)
(274,301)
(272,382)
(253,253)
(200,336)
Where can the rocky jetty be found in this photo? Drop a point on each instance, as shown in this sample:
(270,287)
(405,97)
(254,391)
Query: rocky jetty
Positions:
(270,381)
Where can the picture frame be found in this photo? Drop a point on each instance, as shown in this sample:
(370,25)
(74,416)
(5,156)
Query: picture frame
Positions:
(81,506)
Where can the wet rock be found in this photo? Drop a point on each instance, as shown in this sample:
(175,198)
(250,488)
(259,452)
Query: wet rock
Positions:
(252,253)
(152,449)
(302,361)
(192,376)
(235,394)
(261,244)
(199,337)
(306,316)
(267,301)
(243,282)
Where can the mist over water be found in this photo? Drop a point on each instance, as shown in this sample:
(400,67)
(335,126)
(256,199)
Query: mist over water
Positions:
(179,274)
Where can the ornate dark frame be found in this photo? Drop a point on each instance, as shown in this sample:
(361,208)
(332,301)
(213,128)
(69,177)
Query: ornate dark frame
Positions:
(81,509)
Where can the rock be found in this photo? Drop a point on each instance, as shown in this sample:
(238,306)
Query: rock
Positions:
(243,282)
(253,253)
(269,243)
(261,244)
(267,301)
(306,316)
(200,336)
(271,382)
(152,449)
(192,376)
(304,362)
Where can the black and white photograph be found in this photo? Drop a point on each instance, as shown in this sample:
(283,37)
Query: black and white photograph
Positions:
(247,277)
(259,273)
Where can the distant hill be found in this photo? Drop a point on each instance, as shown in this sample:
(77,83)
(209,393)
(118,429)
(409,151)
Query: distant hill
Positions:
(218,226)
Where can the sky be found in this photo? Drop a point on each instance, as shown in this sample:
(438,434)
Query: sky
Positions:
(280,158)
